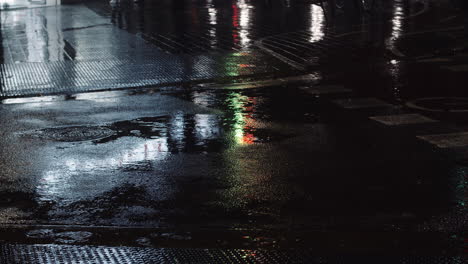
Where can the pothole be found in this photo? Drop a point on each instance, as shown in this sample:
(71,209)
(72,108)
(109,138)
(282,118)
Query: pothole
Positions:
(73,133)
(440,104)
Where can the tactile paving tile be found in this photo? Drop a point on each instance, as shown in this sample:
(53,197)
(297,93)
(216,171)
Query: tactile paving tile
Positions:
(45,254)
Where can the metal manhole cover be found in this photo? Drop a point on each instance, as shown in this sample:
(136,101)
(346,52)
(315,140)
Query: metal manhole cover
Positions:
(441,104)
(73,133)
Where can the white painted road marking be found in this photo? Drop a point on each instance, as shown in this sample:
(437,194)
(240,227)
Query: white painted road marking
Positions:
(451,140)
(457,68)
(404,119)
(325,89)
(358,103)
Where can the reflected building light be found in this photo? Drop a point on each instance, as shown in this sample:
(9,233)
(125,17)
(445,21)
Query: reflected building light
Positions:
(397,23)
(5,3)
(213,17)
(36,37)
(56,184)
(14,17)
(203,98)
(29,100)
(96,96)
(114,3)
(55,38)
(245,13)
(317,23)
(177,129)
(207,127)
(148,150)
(396,33)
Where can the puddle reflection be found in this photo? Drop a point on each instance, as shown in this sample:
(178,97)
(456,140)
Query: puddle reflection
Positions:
(240,115)
(397,29)
(144,144)
(317,23)
(398,17)
(15,4)
(33,35)
(244,22)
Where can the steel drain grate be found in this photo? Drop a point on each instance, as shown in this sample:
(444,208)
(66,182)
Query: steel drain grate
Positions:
(42,254)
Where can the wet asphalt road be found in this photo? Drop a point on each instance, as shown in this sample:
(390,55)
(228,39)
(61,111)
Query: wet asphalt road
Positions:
(339,161)
(226,162)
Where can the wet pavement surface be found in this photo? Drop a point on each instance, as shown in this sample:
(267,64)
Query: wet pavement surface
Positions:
(281,127)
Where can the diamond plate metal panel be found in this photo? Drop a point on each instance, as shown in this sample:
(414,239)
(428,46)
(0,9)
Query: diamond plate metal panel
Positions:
(45,254)
(80,76)
(73,49)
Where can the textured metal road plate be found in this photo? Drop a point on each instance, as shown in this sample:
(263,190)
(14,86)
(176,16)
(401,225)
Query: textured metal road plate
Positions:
(80,76)
(90,53)
(45,254)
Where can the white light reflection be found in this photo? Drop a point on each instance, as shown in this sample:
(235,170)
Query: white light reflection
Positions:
(177,130)
(245,12)
(212,13)
(66,180)
(203,98)
(98,96)
(36,37)
(6,2)
(213,21)
(397,24)
(317,23)
(207,127)
(26,100)
(396,33)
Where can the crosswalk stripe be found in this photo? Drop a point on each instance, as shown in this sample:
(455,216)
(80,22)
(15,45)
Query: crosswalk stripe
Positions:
(451,140)
(325,89)
(403,119)
(358,103)
(457,68)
